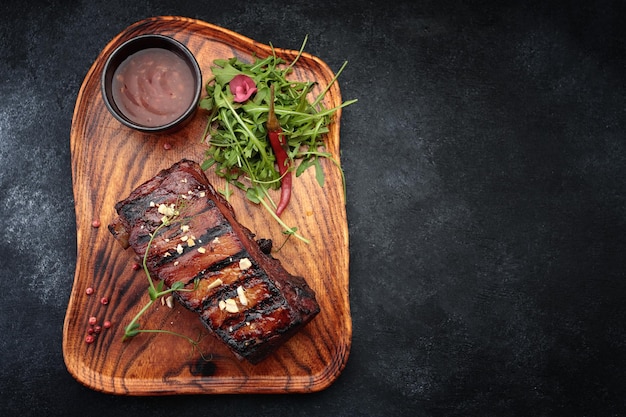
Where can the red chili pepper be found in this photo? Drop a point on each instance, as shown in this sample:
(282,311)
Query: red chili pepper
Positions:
(275,134)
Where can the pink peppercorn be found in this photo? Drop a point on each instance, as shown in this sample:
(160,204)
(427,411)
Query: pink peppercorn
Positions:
(92,320)
(104,301)
(97,329)
(136,266)
(89,339)
(167,146)
(106,324)
(95,224)
(89,291)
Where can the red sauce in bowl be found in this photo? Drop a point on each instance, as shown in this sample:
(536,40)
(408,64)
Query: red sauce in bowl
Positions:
(153,87)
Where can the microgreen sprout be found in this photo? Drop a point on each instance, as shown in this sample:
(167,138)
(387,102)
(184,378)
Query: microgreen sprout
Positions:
(157,291)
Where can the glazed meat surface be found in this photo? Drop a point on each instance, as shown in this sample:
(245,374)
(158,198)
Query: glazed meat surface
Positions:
(243,295)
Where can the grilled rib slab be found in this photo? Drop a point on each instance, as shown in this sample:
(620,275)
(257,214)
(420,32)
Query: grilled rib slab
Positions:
(243,295)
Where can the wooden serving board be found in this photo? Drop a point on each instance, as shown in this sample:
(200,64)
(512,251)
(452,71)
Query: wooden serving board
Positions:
(109,160)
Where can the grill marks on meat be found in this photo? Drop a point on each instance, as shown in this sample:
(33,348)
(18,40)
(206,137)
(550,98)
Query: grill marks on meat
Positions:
(213,254)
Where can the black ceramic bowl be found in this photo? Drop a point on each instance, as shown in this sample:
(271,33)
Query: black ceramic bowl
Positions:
(133,47)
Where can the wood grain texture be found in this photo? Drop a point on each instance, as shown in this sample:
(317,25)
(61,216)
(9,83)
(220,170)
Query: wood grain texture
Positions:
(109,160)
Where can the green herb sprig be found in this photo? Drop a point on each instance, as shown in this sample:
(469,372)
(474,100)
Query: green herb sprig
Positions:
(158,290)
(236,133)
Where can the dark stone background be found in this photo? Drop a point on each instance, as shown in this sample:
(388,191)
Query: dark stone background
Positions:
(485,165)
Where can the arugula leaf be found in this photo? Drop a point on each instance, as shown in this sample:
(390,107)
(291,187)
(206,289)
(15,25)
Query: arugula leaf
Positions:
(236,135)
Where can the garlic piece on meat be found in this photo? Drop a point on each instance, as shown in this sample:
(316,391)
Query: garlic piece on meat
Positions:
(231,306)
(241,293)
(214,284)
(244,263)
